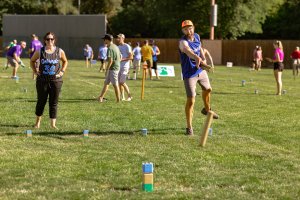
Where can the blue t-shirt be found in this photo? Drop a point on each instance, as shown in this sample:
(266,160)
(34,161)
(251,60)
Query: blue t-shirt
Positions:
(137,53)
(154,56)
(188,65)
(88,52)
(103,52)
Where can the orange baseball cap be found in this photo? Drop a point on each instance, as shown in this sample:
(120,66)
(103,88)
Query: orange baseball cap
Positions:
(186,23)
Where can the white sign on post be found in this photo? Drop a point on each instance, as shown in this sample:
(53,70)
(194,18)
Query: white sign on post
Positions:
(164,70)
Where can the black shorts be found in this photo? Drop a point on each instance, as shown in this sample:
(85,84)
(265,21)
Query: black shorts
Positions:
(279,66)
(154,65)
(101,60)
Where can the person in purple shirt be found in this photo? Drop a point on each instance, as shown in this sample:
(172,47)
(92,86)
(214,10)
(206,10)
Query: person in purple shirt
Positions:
(278,64)
(89,55)
(34,46)
(13,57)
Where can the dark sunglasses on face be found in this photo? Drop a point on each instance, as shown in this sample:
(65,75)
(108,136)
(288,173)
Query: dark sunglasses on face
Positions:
(48,39)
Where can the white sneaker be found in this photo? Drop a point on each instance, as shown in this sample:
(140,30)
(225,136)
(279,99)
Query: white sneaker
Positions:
(129,98)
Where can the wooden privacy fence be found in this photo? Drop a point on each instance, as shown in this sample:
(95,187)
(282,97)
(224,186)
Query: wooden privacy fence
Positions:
(239,52)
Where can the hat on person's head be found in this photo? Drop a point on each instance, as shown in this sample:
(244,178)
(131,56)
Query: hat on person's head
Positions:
(151,41)
(108,37)
(186,23)
(121,35)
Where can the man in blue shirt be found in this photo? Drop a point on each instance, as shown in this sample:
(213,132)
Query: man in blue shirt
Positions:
(191,57)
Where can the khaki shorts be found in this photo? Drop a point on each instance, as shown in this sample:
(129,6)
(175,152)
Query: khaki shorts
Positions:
(149,63)
(136,64)
(111,77)
(12,61)
(190,83)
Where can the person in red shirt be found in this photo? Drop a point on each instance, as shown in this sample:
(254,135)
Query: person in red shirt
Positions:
(296,61)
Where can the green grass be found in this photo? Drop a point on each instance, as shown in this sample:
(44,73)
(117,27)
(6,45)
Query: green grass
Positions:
(253,153)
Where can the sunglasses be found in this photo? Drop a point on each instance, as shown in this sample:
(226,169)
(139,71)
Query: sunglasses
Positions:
(48,39)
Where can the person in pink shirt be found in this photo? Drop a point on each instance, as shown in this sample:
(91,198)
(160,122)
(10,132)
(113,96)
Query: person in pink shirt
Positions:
(296,61)
(258,58)
(278,64)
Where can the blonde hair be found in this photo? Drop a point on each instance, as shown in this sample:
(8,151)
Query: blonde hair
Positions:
(279,44)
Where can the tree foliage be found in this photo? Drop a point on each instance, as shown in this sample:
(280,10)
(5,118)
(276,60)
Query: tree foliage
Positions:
(285,23)
(162,19)
(244,16)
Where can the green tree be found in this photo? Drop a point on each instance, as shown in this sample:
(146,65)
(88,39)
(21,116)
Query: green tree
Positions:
(108,7)
(237,17)
(65,7)
(151,18)
(284,24)
(162,18)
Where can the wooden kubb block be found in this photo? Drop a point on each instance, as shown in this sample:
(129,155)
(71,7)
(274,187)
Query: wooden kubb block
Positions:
(148,187)
(147,178)
(147,168)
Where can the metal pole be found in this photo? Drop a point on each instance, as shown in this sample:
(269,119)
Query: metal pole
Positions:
(212,28)
(79,7)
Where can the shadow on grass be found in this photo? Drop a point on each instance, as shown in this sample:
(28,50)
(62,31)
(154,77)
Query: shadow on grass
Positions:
(64,134)
(13,125)
(92,77)
(240,93)
(60,100)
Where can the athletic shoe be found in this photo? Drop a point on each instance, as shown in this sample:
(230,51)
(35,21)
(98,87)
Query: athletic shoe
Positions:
(14,77)
(204,112)
(129,99)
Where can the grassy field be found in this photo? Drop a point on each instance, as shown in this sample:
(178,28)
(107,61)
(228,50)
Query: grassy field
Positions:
(254,152)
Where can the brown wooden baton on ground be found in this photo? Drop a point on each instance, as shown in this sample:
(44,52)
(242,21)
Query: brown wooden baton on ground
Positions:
(207,124)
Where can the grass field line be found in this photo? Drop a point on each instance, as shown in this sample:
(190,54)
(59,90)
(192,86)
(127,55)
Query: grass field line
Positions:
(264,143)
(88,82)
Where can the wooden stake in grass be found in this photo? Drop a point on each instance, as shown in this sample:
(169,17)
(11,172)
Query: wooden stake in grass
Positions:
(206,127)
(143,80)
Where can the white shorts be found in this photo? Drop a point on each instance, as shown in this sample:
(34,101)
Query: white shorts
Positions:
(123,75)
(296,61)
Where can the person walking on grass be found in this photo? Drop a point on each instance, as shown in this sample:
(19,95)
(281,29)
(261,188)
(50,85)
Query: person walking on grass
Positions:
(34,46)
(191,58)
(156,52)
(278,64)
(113,67)
(10,45)
(13,58)
(53,64)
(147,53)
(88,55)
(136,59)
(102,56)
(126,53)
(296,61)
(258,58)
